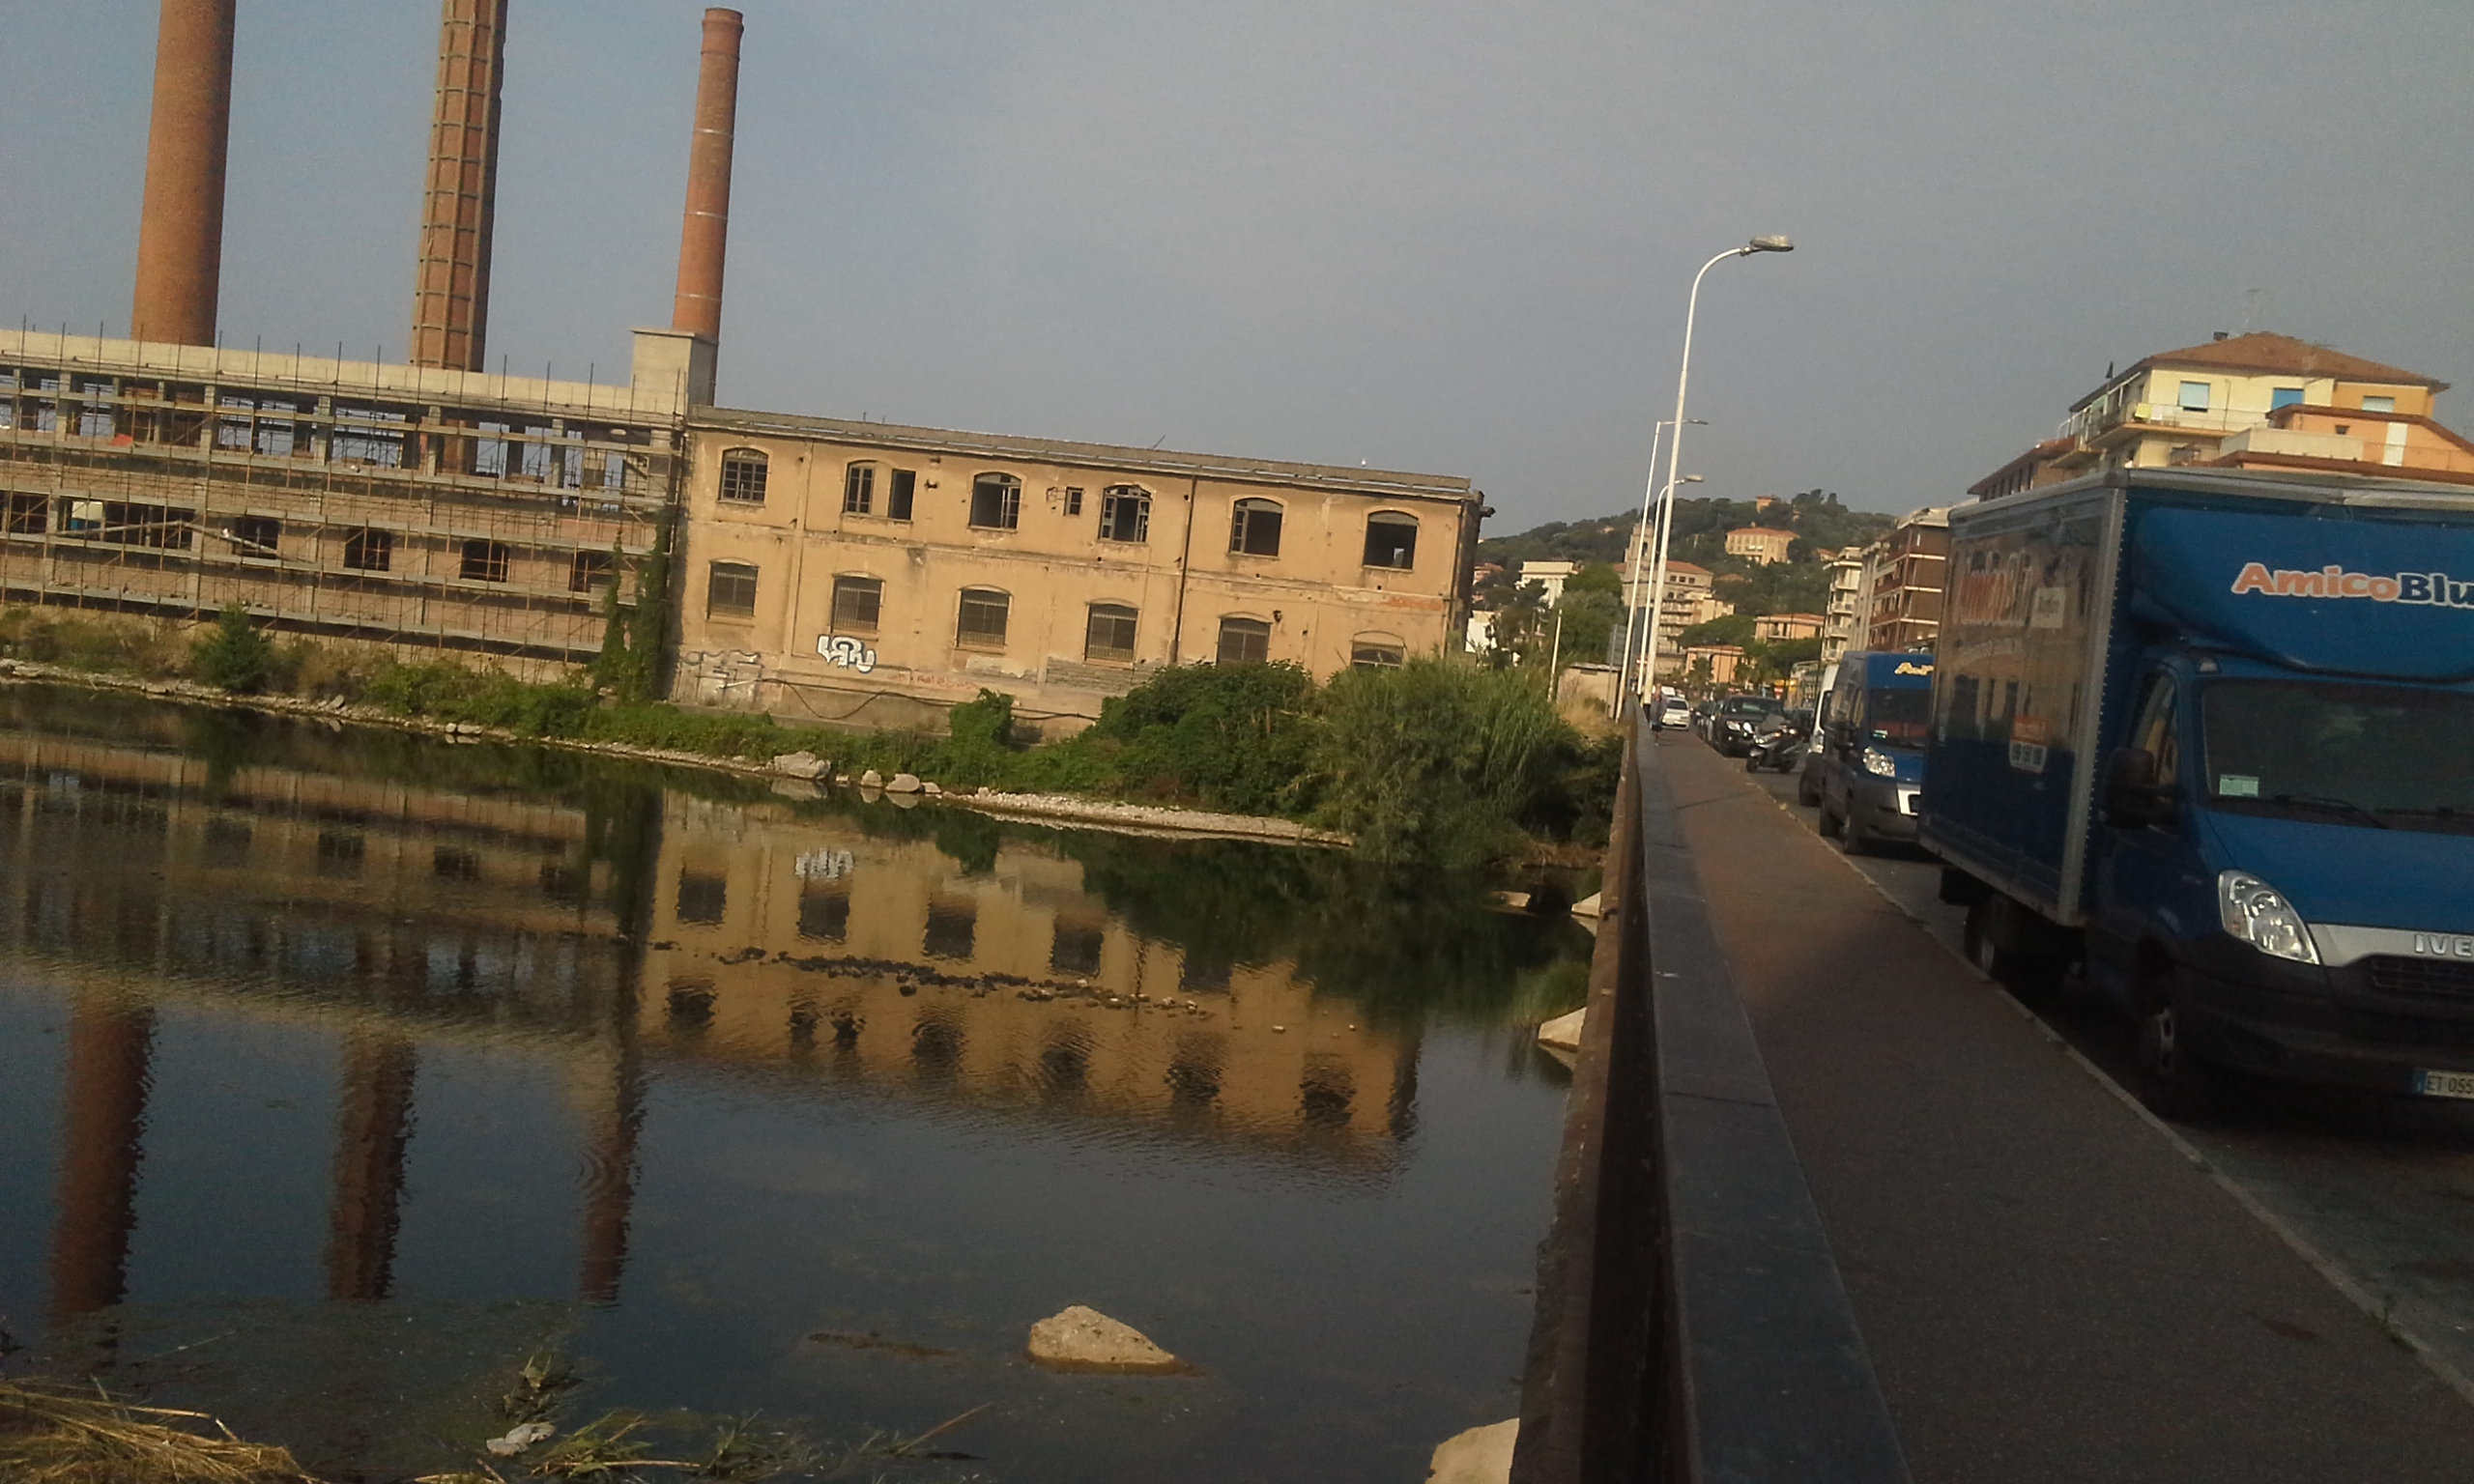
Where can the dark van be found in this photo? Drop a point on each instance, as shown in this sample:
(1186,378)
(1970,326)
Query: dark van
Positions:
(1869,766)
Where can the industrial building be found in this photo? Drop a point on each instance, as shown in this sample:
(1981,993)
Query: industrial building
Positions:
(435,505)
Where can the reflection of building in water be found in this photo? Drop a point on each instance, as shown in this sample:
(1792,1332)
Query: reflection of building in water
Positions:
(399,915)
(795,941)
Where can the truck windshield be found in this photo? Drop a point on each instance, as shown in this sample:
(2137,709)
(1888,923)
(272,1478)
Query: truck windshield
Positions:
(1898,717)
(2370,754)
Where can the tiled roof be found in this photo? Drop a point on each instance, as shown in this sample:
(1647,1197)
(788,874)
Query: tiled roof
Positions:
(1761,530)
(2284,354)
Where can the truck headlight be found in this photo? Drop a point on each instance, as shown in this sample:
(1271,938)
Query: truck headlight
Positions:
(2258,915)
(1880,762)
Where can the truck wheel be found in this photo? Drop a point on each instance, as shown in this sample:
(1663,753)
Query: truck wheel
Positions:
(2173,1081)
(2031,979)
(1829,824)
(1807,790)
(1853,837)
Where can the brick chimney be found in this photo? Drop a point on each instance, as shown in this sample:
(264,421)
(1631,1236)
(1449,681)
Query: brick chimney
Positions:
(705,233)
(451,283)
(179,235)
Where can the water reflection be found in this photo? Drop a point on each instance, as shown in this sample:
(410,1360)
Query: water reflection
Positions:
(407,907)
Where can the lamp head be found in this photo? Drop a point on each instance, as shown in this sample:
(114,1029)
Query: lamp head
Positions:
(1770,244)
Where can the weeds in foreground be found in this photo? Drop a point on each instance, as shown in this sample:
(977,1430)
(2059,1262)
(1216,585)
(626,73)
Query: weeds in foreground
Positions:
(56,1436)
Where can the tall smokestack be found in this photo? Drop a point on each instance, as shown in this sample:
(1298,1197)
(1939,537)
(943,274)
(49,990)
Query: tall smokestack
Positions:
(706,232)
(180,237)
(451,286)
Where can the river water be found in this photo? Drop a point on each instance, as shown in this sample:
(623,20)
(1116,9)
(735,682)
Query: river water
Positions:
(343,1072)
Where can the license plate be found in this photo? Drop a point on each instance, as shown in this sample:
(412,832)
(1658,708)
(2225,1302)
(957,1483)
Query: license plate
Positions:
(2444,1084)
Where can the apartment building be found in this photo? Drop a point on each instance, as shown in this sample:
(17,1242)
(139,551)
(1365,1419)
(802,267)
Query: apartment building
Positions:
(1786,628)
(2252,401)
(1845,612)
(1908,578)
(860,571)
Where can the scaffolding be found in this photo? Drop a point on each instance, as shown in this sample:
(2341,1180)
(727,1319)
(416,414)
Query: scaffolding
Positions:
(412,507)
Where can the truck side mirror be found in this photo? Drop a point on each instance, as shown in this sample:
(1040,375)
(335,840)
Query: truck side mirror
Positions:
(2131,796)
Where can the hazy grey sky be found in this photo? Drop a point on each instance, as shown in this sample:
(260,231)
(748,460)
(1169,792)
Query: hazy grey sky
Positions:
(1449,236)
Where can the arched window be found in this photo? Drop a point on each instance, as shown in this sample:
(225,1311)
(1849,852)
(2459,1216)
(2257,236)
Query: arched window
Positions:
(1377,651)
(859,490)
(730,591)
(743,476)
(1110,634)
(997,501)
(858,602)
(980,623)
(1245,641)
(1254,528)
(1391,540)
(1125,513)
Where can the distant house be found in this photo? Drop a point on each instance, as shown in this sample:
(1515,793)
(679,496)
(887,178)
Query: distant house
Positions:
(1549,575)
(2256,401)
(1783,628)
(1760,543)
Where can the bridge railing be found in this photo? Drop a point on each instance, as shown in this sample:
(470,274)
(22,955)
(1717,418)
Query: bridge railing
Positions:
(1691,1322)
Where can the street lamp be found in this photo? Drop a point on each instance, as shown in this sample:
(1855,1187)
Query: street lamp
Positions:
(1641,542)
(1675,445)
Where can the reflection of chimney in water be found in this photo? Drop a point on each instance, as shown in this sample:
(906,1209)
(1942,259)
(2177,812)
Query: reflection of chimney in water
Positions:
(104,1119)
(609,1179)
(376,1123)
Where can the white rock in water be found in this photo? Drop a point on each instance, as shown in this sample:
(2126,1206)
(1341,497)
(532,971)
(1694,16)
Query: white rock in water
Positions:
(930,789)
(1564,1032)
(1083,1339)
(800,764)
(872,779)
(902,783)
(1482,1455)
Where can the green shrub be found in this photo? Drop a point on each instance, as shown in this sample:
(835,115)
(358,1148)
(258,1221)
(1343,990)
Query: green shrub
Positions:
(1436,762)
(233,655)
(1233,736)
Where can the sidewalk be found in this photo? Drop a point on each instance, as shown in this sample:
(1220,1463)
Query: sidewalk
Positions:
(2050,1291)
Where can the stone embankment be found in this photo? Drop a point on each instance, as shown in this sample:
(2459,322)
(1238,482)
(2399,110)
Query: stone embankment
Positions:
(792,768)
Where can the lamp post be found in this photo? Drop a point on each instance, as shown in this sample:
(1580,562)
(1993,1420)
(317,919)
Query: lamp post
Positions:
(1625,681)
(1675,444)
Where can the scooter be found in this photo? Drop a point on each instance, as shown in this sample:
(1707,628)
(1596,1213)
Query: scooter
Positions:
(1780,749)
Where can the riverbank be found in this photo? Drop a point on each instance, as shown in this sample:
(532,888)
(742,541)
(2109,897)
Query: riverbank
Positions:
(790,769)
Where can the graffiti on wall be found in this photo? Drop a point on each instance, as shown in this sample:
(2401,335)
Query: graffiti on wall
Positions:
(848,652)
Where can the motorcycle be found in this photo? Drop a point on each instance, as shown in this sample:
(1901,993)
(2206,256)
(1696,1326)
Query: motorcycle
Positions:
(1780,746)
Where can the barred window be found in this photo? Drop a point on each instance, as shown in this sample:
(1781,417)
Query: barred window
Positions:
(1254,528)
(859,490)
(981,625)
(591,570)
(486,561)
(1391,540)
(1109,635)
(1125,513)
(1377,651)
(730,591)
(857,601)
(1245,641)
(369,550)
(996,503)
(743,476)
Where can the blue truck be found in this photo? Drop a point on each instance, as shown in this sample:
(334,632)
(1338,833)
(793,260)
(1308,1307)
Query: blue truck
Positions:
(1866,766)
(2208,739)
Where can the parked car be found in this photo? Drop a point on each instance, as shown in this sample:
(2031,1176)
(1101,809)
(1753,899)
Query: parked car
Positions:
(1702,711)
(1738,720)
(1869,767)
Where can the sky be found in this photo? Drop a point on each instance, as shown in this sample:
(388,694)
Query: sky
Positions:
(1447,236)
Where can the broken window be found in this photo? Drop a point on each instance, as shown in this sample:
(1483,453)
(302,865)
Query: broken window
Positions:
(486,561)
(1391,540)
(1125,513)
(1254,528)
(996,503)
